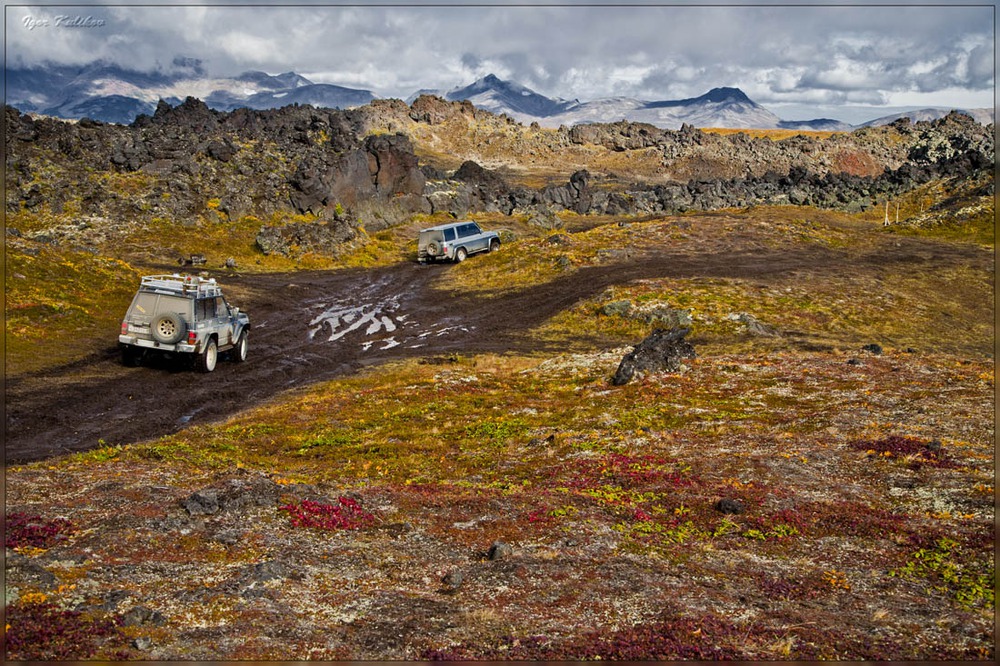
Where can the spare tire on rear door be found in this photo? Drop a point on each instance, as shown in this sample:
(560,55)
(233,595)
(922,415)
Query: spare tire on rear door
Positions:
(168,328)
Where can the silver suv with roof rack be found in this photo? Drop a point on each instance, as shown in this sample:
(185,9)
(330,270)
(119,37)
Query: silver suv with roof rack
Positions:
(455,241)
(186,316)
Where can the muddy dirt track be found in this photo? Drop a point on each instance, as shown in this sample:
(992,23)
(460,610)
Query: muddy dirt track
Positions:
(309,327)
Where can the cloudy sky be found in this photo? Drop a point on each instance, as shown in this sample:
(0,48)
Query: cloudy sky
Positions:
(851,61)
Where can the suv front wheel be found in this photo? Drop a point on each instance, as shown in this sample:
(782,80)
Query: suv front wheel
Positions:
(239,353)
(208,358)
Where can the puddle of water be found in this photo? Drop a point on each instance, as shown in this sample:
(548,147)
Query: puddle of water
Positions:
(370,319)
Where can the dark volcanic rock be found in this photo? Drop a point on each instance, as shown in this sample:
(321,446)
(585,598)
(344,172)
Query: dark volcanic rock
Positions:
(266,164)
(754,326)
(140,615)
(235,494)
(481,189)
(26,570)
(451,582)
(576,195)
(310,190)
(729,506)
(393,166)
(202,502)
(620,136)
(499,550)
(433,110)
(489,182)
(663,351)
(299,159)
(221,150)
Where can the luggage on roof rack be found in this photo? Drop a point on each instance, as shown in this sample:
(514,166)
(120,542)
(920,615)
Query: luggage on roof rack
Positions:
(184,285)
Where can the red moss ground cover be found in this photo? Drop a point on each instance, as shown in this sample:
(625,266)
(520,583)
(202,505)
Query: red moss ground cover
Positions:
(22,529)
(45,632)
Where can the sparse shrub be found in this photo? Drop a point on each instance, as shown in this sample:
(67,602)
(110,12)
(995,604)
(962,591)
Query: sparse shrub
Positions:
(631,471)
(854,519)
(837,580)
(34,531)
(785,588)
(42,631)
(942,565)
(347,514)
(913,450)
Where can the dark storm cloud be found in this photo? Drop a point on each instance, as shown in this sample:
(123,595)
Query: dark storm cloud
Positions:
(789,54)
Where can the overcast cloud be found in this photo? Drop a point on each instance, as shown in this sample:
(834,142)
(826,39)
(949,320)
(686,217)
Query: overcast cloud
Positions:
(799,61)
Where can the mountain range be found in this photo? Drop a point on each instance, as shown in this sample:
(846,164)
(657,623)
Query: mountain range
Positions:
(110,93)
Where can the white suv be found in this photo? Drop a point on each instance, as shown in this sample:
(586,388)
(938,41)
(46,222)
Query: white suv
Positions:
(455,241)
(183,315)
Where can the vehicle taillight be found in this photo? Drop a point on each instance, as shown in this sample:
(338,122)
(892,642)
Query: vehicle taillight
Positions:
(192,337)
(124,327)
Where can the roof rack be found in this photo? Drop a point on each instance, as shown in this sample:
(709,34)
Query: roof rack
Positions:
(183,285)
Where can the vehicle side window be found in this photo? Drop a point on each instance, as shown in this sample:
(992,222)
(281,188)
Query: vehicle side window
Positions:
(475,229)
(221,307)
(449,234)
(465,230)
(205,308)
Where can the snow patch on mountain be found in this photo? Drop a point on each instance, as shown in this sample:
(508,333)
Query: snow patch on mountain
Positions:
(497,96)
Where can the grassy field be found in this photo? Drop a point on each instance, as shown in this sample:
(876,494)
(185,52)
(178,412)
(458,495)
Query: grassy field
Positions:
(787,496)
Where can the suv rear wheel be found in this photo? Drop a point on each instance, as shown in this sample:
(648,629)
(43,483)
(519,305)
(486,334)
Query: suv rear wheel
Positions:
(461,254)
(208,358)
(131,356)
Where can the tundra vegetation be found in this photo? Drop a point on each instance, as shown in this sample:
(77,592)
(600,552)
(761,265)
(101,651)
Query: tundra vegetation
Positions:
(817,483)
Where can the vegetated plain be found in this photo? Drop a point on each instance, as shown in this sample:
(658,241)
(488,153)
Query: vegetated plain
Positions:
(816,484)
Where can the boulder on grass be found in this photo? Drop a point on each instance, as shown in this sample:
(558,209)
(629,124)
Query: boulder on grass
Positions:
(663,351)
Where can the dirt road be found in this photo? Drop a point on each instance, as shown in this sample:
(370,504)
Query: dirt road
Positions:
(309,327)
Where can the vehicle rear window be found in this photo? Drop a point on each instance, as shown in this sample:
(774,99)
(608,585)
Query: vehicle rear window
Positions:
(147,304)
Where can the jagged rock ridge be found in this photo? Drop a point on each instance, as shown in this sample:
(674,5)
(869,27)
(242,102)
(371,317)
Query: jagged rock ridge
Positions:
(188,162)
